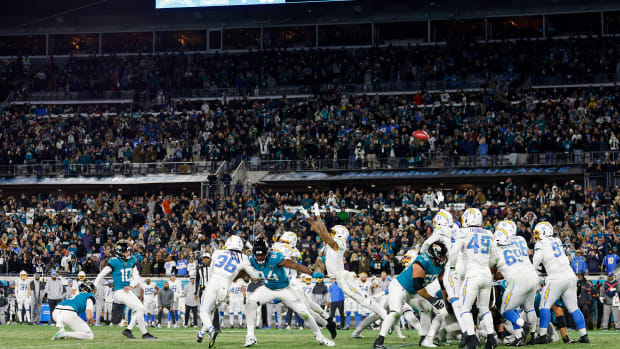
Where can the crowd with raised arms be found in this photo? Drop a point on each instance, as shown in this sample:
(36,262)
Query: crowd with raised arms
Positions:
(361,131)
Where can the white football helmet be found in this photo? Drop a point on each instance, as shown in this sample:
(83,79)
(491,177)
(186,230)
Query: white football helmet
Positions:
(340,231)
(23,275)
(289,238)
(234,243)
(509,227)
(443,218)
(81,276)
(543,230)
(501,237)
(472,217)
(409,257)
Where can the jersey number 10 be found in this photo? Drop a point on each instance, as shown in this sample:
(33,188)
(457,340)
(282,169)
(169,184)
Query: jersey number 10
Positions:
(126,275)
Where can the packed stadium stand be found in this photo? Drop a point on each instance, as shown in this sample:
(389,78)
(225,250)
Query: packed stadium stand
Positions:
(173,136)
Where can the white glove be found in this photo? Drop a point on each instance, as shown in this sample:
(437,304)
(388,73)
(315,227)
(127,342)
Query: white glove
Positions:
(304,212)
(439,198)
(316,210)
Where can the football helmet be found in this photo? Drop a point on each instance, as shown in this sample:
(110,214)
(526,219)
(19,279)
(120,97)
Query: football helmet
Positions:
(340,231)
(121,248)
(260,249)
(234,243)
(289,238)
(88,287)
(23,275)
(438,253)
(472,217)
(443,218)
(82,276)
(501,237)
(543,230)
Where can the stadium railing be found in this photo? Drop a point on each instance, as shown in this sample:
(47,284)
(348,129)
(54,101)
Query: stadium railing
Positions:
(108,169)
(425,160)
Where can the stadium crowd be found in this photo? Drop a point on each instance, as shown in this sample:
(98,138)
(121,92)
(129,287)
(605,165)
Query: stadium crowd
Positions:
(358,131)
(566,60)
(70,233)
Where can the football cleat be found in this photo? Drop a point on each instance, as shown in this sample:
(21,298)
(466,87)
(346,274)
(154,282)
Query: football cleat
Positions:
(356,334)
(59,335)
(212,336)
(428,342)
(127,333)
(584,339)
(322,340)
(491,342)
(200,337)
(148,336)
(250,341)
(331,327)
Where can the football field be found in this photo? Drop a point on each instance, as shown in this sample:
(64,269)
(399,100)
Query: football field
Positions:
(17,336)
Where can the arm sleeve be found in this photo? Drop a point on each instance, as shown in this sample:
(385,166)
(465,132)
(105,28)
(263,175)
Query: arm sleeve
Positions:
(106,270)
(428,242)
(455,252)
(538,255)
(135,277)
(89,304)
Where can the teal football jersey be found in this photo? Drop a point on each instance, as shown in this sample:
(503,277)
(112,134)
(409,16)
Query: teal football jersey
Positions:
(78,302)
(121,270)
(275,277)
(432,272)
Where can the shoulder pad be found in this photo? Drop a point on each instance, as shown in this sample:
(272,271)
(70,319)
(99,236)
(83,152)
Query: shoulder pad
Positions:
(539,245)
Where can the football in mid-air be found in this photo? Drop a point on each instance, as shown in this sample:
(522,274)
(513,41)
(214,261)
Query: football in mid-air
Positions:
(421,135)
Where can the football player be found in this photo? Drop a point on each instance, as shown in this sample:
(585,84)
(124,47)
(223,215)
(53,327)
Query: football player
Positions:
(226,266)
(336,246)
(271,267)
(123,267)
(561,281)
(425,269)
(66,314)
(478,249)
(235,301)
(23,295)
(148,296)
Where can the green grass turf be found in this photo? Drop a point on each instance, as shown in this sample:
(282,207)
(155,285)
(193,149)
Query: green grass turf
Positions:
(24,336)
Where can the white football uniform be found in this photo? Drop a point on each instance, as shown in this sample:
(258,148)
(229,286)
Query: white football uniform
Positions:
(22,297)
(109,300)
(334,263)
(478,250)
(224,268)
(561,280)
(236,296)
(177,289)
(150,300)
(365,288)
(314,309)
(522,282)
